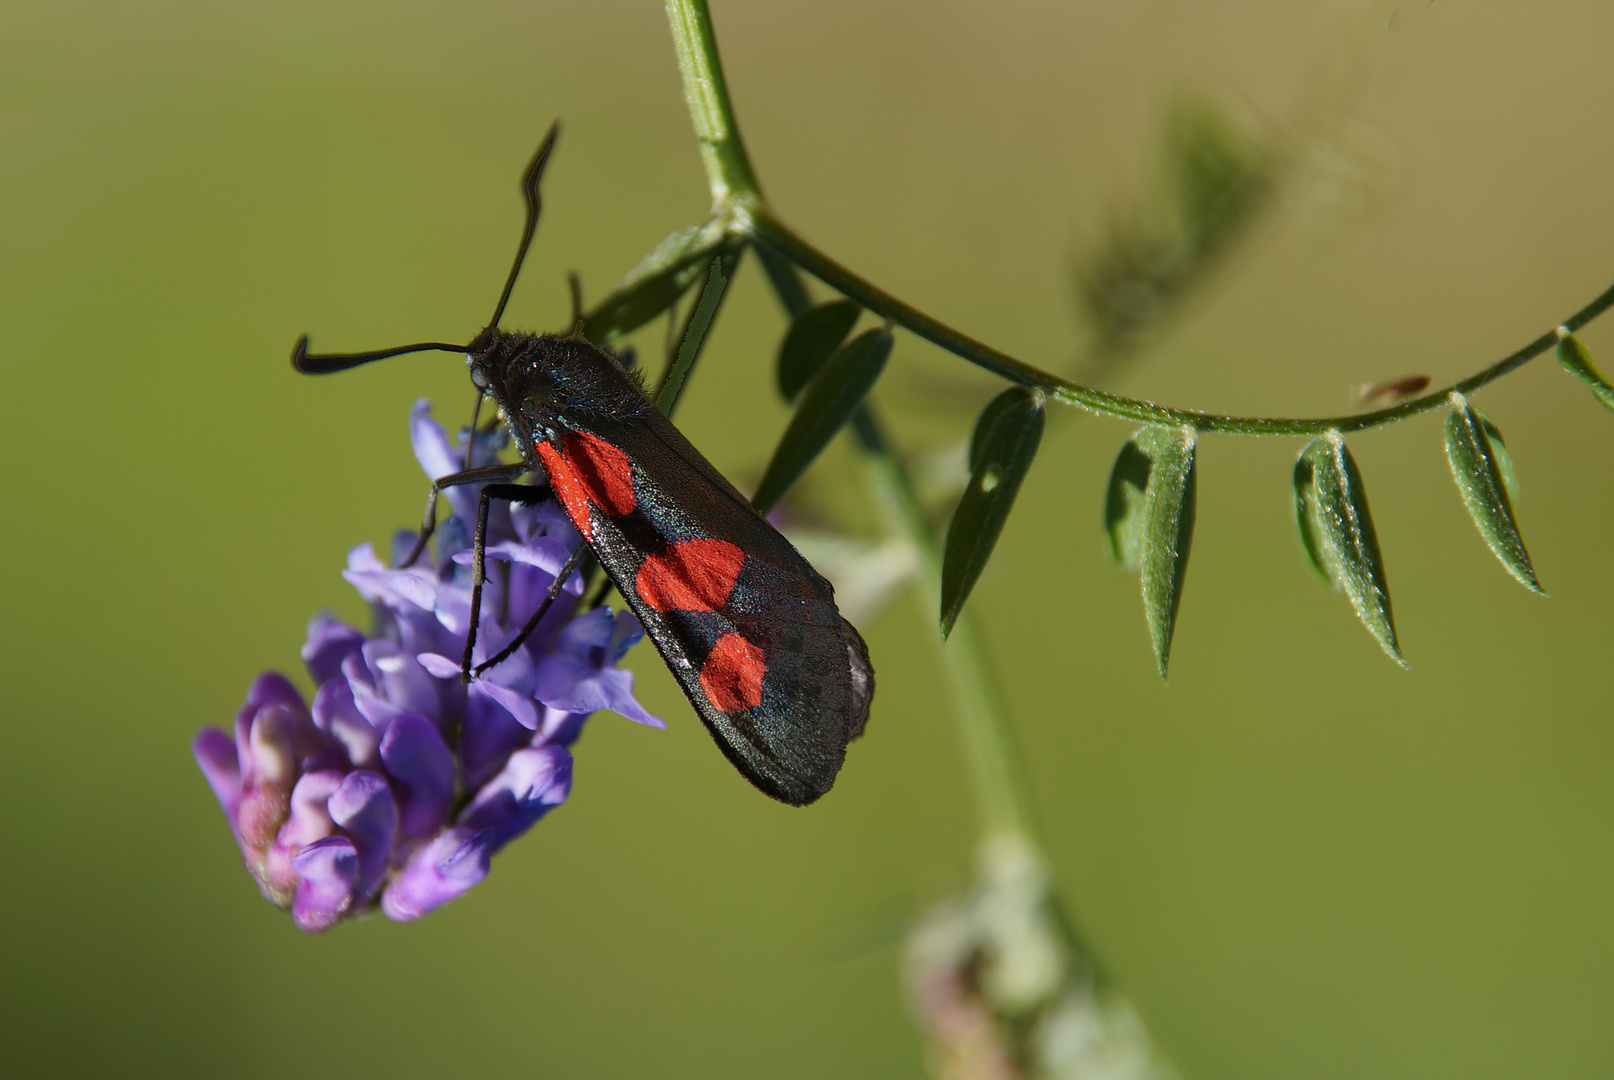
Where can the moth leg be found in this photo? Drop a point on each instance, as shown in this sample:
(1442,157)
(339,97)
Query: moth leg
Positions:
(505,653)
(428,521)
(520,494)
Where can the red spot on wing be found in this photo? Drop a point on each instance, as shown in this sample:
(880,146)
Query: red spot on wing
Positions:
(692,575)
(605,471)
(732,674)
(569,488)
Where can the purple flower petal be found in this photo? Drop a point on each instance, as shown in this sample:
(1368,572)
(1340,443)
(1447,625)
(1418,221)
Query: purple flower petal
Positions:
(328,869)
(421,762)
(444,869)
(363,806)
(534,781)
(439,666)
(519,705)
(549,519)
(337,714)
(421,630)
(514,671)
(401,680)
(435,453)
(396,589)
(438,458)
(587,633)
(625,634)
(215,756)
(544,552)
(487,738)
(565,684)
(560,728)
(272,748)
(527,588)
(308,821)
(329,643)
(273,688)
(273,691)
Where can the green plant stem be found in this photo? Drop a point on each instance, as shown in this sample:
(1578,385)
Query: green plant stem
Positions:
(728,167)
(975,700)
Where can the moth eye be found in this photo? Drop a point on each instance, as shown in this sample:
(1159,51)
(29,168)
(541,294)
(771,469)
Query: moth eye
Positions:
(479,378)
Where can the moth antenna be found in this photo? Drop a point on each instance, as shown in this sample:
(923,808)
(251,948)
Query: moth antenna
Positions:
(325,363)
(529,189)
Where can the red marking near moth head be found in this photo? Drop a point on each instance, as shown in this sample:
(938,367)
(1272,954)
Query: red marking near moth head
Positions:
(732,674)
(691,575)
(605,471)
(568,487)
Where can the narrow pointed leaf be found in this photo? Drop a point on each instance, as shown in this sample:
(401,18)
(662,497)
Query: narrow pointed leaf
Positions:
(1480,479)
(1149,522)
(695,328)
(1167,533)
(1336,529)
(826,402)
(658,281)
(1002,456)
(813,336)
(1578,362)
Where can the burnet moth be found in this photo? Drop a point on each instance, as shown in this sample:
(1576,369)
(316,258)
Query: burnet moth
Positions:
(748,628)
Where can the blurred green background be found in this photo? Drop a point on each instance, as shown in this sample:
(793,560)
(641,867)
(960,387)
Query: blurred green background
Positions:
(1298,859)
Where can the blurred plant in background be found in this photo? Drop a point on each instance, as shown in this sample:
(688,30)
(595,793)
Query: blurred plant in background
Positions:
(999,986)
(1215,183)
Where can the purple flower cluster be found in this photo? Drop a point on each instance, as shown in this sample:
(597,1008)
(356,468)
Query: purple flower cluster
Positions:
(399,782)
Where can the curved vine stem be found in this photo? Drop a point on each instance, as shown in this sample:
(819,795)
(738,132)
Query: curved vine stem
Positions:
(738,203)
(769,230)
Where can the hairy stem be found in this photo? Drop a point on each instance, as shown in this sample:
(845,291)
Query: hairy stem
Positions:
(767,229)
(728,168)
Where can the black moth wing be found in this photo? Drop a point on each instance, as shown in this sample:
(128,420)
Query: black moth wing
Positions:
(816,680)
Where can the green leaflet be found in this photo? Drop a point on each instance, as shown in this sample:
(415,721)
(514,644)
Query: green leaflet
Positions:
(1336,529)
(813,336)
(1578,362)
(659,280)
(700,321)
(1482,466)
(826,402)
(995,408)
(1000,457)
(1149,522)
